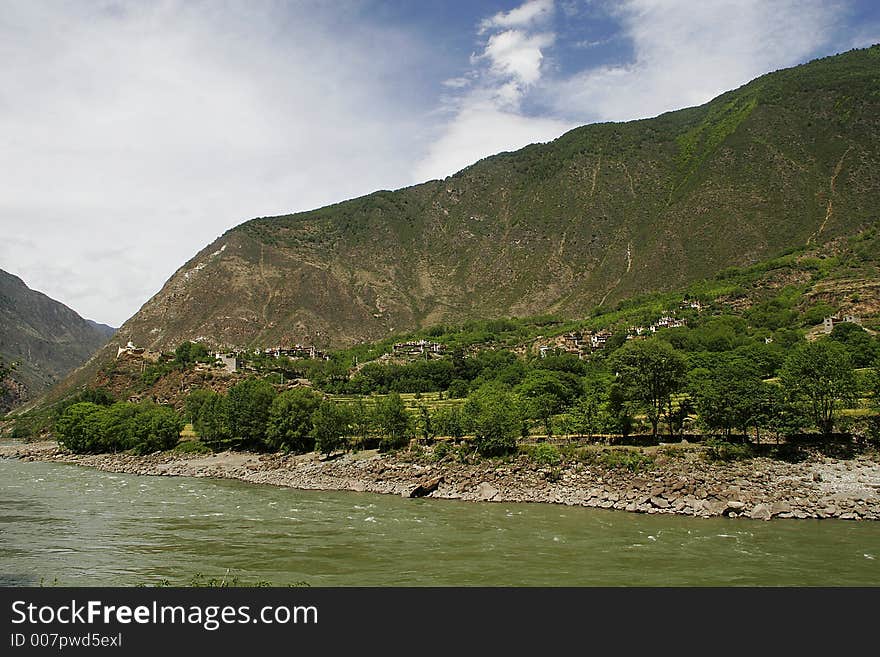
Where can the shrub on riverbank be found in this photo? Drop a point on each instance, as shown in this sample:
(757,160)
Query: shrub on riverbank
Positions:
(625,459)
(192,447)
(720,450)
(542,453)
(143,428)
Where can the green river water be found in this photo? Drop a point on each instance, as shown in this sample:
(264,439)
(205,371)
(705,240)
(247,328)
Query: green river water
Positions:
(77,526)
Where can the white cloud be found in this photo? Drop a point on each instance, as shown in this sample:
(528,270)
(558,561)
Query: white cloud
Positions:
(456,83)
(526,15)
(686,53)
(130,137)
(487,118)
(517,55)
(868,35)
(132,134)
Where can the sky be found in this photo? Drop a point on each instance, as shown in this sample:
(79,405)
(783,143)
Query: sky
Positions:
(132,134)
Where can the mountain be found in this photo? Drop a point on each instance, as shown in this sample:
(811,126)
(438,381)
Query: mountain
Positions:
(103,329)
(44,338)
(605,212)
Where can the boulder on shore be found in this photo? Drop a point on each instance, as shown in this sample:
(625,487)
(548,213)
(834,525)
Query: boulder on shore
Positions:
(486,491)
(426,487)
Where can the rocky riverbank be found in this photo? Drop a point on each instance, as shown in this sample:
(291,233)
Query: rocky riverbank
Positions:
(678,481)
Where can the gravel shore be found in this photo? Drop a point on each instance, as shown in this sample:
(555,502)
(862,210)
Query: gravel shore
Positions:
(679,481)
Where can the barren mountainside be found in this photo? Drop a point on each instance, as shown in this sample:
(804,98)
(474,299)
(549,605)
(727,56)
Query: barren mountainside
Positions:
(44,338)
(604,212)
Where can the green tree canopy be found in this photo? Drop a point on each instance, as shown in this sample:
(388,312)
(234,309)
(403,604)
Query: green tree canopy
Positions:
(142,428)
(649,372)
(194,402)
(331,425)
(728,397)
(447,421)
(290,420)
(861,347)
(249,403)
(820,375)
(394,421)
(81,427)
(212,422)
(494,415)
(191,352)
(588,414)
(154,428)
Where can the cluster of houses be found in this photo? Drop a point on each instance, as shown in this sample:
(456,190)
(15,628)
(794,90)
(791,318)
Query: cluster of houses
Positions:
(667,321)
(418,348)
(131,351)
(586,342)
(296,351)
(232,361)
(829,323)
(577,342)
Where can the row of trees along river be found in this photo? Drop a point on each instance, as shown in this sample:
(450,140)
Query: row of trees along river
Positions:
(495,399)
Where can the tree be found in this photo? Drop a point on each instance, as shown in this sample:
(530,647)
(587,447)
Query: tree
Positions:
(154,428)
(728,396)
(861,347)
(331,424)
(118,426)
(447,422)
(649,372)
(425,423)
(493,413)
(289,426)
(393,420)
(81,427)
(142,428)
(545,393)
(678,416)
(619,410)
(587,413)
(458,389)
(194,402)
(820,375)
(100,396)
(778,414)
(212,423)
(190,352)
(249,403)
(362,422)
(559,387)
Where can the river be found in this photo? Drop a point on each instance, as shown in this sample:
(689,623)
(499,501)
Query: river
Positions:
(70,525)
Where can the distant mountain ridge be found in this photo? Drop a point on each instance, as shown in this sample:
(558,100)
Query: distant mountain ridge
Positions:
(43,337)
(105,330)
(605,212)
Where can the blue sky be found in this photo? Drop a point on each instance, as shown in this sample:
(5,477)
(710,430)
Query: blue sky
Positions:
(133,133)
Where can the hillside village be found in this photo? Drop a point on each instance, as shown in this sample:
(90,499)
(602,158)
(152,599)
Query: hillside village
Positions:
(580,343)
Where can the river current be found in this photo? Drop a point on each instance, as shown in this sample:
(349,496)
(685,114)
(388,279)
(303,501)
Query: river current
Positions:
(70,525)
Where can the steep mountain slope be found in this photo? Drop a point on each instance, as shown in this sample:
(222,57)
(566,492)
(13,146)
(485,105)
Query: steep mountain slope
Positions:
(774,302)
(604,212)
(44,338)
